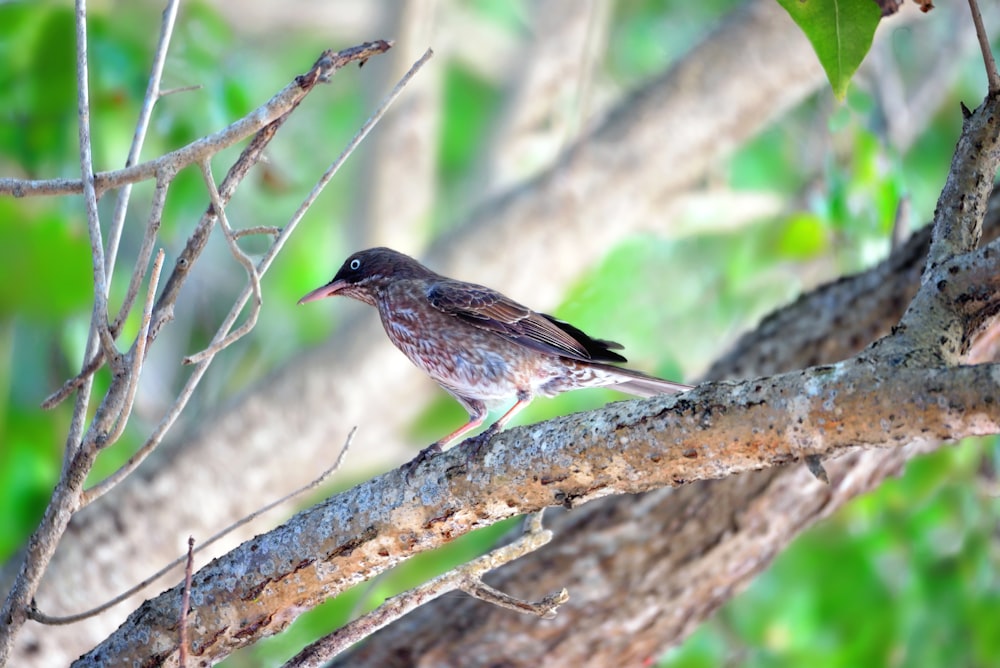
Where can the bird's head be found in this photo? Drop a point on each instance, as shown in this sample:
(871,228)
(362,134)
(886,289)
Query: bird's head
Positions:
(364,273)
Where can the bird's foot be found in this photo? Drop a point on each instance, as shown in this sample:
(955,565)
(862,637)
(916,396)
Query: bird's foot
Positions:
(424,455)
(474,444)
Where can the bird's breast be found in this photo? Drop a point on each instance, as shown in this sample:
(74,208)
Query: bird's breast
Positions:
(465,359)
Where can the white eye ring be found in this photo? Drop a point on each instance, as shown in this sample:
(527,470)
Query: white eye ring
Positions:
(355,263)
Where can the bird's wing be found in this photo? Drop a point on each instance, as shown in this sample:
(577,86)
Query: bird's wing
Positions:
(488,309)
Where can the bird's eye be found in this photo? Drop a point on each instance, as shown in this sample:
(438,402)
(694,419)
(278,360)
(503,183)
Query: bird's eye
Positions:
(355,264)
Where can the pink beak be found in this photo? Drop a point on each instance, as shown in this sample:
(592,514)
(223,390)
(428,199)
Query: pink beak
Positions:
(328,290)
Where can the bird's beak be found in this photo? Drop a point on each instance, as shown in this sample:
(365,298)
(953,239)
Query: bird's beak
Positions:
(328,290)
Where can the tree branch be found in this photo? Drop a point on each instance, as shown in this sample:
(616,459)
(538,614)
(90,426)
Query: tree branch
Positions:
(713,431)
(279,105)
(462,577)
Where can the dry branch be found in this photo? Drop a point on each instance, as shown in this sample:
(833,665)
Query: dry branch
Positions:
(713,431)
(465,577)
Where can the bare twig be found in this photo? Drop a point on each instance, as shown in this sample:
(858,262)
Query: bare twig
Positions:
(199,368)
(257,229)
(73,383)
(111,414)
(138,353)
(121,206)
(43,618)
(182,640)
(142,125)
(324,67)
(99,317)
(984,43)
(231,240)
(279,105)
(164,169)
(180,89)
(76,460)
(157,203)
(321,651)
(545,608)
(221,339)
(99,312)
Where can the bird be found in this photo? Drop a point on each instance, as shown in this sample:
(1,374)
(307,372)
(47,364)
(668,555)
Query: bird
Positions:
(482,347)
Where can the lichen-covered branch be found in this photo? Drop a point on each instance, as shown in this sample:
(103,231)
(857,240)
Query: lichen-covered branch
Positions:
(713,431)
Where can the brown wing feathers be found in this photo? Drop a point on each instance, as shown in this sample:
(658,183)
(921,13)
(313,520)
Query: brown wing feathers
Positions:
(491,310)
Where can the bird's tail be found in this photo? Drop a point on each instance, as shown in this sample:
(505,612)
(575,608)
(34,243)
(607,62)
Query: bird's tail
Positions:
(640,384)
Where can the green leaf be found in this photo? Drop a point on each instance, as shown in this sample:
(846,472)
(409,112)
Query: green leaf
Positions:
(840,31)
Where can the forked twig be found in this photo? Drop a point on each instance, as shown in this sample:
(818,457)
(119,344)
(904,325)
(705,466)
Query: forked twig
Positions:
(43,618)
(277,106)
(465,577)
(264,121)
(138,353)
(252,275)
(199,368)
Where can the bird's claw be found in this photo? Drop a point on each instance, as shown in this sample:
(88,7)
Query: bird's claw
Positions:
(424,455)
(474,444)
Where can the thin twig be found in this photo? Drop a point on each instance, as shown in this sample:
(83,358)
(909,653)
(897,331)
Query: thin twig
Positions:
(43,618)
(180,89)
(163,169)
(141,126)
(201,367)
(99,316)
(324,649)
(984,44)
(325,66)
(545,608)
(199,149)
(81,447)
(241,257)
(257,229)
(77,462)
(75,382)
(182,639)
(76,430)
(138,353)
(157,203)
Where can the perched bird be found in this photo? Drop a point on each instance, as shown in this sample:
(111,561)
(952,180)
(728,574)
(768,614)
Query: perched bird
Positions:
(480,346)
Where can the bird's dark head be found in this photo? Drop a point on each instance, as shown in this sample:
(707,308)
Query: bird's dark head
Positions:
(365,272)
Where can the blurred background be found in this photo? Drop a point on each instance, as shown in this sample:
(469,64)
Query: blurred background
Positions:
(904,576)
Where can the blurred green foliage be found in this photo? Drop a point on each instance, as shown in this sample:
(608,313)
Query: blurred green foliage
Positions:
(904,576)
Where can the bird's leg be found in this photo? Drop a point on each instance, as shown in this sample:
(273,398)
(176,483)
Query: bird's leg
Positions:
(477,415)
(474,443)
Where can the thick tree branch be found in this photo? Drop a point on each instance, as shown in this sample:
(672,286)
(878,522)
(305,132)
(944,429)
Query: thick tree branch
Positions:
(713,431)
(959,214)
